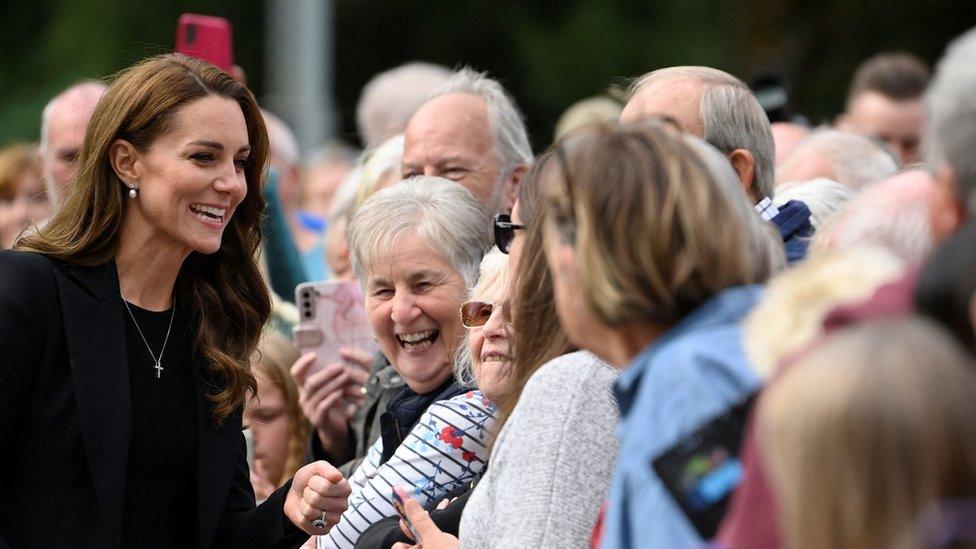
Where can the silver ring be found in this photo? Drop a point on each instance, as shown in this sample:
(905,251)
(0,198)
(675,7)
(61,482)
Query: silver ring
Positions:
(319,522)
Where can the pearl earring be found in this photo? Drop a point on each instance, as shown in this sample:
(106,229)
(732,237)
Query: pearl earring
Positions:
(133,192)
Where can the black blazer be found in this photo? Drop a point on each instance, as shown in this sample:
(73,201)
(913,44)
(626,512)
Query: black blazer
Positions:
(65,421)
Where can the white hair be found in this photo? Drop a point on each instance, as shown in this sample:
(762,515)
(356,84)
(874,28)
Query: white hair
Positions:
(766,245)
(731,117)
(371,168)
(391,97)
(511,139)
(445,215)
(851,159)
(823,196)
(951,102)
(892,214)
(88,91)
(492,282)
(281,138)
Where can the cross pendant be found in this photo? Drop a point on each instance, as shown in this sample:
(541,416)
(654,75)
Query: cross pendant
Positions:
(159,369)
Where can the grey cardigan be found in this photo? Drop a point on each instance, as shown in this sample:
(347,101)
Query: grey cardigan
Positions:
(550,468)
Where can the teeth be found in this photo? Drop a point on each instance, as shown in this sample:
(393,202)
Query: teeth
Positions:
(410,338)
(215,212)
(494,358)
(417,346)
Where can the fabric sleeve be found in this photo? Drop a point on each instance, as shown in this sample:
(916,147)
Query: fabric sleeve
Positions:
(446,449)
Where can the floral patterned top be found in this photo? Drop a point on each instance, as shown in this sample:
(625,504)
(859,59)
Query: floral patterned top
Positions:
(446,449)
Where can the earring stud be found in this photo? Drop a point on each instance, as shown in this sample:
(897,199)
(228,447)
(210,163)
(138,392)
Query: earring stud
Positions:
(133,192)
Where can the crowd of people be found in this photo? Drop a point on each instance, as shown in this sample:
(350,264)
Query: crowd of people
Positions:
(678,325)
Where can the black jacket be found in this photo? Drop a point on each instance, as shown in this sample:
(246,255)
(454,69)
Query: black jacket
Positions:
(65,421)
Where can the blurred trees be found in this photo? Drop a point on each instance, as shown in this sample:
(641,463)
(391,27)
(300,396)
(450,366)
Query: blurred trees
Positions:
(548,53)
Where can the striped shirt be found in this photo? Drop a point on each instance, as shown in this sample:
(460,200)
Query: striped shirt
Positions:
(443,451)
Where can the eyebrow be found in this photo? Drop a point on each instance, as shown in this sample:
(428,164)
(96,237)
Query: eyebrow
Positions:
(219,146)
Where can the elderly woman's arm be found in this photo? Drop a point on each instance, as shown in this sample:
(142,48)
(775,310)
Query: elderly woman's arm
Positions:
(443,451)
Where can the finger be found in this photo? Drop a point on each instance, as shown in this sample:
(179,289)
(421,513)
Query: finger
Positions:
(357,357)
(420,519)
(322,409)
(406,529)
(324,376)
(444,503)
(324,469)
(330,504)
(301,367)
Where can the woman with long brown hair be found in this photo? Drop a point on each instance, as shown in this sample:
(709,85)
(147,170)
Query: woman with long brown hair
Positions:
(126,328)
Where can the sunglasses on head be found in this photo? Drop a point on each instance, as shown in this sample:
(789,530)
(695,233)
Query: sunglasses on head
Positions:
(505,231)
(475,314)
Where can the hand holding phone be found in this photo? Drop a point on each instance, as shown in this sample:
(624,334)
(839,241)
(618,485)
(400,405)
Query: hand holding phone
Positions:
(399,503)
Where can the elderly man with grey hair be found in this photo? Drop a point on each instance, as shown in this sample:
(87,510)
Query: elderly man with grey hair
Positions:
(845,157)
(63,124)
(951,135)
(471,132)
(391,97)
(720,108)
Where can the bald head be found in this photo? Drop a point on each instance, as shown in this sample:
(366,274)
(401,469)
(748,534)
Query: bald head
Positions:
(717,107)
(63,124)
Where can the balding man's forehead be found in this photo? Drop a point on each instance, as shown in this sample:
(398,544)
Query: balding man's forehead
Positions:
(677,97)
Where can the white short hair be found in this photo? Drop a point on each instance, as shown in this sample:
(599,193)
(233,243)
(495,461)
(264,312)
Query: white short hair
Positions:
(507,127)
(854,160)
(441,212)
(951,103)
(823,196)
(87,90)
(492,281)
(391,97)
(731,117)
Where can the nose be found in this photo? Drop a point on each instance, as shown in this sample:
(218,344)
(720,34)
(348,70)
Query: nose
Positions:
(431,171)
(494,327)
(230,181)
(405,308)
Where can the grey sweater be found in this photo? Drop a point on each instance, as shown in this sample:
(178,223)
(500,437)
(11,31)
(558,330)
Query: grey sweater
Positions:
(550,468)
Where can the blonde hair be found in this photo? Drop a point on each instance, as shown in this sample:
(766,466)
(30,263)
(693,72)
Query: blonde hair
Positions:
(657,233)
(791,313)
(492,283)
(273,358)
(870,429)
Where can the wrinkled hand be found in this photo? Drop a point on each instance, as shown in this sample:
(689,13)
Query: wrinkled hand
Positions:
(320,396)
(431,536)
(318,487)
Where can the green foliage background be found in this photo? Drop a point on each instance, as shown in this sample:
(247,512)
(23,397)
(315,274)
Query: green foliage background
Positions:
(548,53)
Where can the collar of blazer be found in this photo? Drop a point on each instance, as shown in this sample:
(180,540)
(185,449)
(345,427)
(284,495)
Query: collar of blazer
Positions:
(96,337)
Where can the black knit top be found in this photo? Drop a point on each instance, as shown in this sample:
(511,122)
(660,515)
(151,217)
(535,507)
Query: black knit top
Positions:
(161,480)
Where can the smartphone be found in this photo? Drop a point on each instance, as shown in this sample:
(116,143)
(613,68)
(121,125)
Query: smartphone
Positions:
(703,469)
(206,37)
(331,316)
(399,496)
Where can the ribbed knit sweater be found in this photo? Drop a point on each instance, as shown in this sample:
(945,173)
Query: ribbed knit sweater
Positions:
(551,465)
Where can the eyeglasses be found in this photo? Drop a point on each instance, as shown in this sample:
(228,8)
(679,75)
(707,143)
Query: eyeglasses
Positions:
(505,231)
(475,314)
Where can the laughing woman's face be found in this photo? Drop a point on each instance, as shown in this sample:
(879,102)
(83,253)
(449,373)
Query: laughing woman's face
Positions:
(412,300)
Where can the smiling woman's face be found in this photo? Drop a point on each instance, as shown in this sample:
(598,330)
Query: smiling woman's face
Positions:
(491,345)
(413,295)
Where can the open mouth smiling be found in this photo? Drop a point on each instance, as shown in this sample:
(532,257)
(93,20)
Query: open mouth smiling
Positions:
(417,341)
(209,214)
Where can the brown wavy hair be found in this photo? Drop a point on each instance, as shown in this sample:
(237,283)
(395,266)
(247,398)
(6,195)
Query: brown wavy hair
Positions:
(225,288)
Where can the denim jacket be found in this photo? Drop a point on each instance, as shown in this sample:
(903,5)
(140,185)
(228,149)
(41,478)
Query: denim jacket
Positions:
(694,372)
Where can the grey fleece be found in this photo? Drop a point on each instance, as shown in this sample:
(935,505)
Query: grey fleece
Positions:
(550,469)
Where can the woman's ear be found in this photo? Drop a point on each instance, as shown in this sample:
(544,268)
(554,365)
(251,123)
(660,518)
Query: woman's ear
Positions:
(125,161)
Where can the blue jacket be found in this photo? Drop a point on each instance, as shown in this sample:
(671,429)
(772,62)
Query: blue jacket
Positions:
(794,226)
(693,373)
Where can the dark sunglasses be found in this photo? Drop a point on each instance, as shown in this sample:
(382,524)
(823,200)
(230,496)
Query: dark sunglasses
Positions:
(505,231)
(475,314)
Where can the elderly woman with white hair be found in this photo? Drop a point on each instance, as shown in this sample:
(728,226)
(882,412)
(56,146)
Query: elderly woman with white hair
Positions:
(416,248)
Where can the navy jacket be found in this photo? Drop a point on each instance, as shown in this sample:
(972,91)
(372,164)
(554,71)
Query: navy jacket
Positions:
(794,226)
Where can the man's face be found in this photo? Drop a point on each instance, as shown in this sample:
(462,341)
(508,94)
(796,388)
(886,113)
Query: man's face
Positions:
(677,98)
(897,123)
(65,136)
(450,137)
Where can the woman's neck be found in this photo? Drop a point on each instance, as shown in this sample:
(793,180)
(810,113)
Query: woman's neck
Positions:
(148,264)
(624,343)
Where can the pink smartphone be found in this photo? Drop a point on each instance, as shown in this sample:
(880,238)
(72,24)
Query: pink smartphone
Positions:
(331,316)
(206,37)
(399,496)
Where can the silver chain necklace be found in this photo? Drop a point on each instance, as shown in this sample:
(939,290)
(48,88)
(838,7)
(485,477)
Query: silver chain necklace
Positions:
(156,360)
